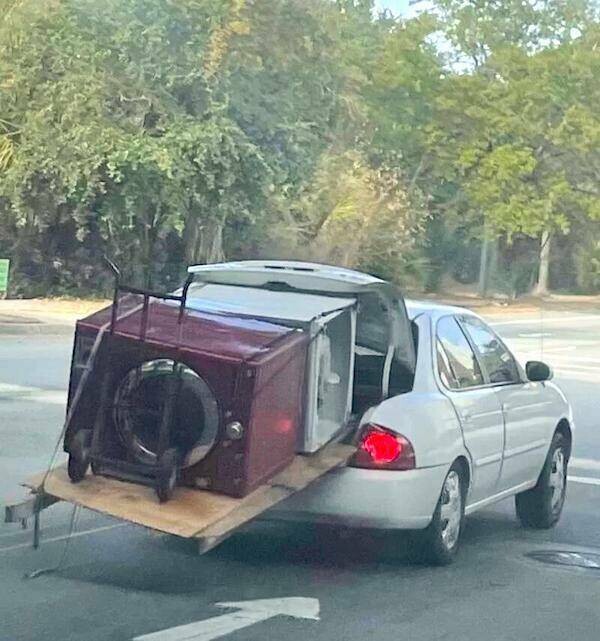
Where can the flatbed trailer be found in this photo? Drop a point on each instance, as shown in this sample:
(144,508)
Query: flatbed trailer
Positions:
(207,517)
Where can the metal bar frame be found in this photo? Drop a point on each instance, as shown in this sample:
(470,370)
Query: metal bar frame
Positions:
(147,295)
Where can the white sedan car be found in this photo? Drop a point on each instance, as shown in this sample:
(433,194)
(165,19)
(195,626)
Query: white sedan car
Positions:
(474,429)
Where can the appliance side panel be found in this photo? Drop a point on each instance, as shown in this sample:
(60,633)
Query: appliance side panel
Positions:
(276,416)
(352,329)
(329,380)
(306,435)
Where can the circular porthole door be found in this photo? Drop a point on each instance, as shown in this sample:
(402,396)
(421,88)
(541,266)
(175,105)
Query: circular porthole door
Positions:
(139,405)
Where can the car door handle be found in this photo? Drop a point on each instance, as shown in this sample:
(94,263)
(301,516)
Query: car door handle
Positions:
(466,416)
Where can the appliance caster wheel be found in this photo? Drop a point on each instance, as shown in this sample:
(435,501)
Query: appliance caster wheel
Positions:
(79,455)
(166,475)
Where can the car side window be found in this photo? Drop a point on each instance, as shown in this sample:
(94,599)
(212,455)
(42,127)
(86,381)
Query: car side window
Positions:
(457,363)
(497,361)
(444,369)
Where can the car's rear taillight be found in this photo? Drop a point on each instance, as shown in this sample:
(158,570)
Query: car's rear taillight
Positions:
(382,449)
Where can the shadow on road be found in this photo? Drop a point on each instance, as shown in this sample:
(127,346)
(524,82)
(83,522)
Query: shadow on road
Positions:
(169,565)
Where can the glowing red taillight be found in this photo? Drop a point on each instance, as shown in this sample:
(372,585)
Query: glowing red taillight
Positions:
(379,448)
(382,447)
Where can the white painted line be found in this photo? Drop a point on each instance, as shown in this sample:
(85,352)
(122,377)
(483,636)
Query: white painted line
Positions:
(584,463)
(55,539)
(548,319)
(581,359)
(573,375)
(559,364)
(535,335)
(534,347)
(247,613)
(585,480)
(567,372)
(15,532)
(12,392)
(548,348)
(576,367)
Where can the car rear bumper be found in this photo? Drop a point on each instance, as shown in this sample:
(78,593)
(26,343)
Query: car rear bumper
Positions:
(367,498)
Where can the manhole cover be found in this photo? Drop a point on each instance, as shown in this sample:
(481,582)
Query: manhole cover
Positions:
(586,560)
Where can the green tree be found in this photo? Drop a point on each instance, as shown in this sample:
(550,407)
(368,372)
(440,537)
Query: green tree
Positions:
(507,148)
(156,130)
(170,131)
(476,29)
(508,103)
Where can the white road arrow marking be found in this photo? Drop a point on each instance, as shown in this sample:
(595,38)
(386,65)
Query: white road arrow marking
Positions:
(248,613)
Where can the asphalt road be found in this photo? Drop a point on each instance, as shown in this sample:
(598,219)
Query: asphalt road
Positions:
(116,582)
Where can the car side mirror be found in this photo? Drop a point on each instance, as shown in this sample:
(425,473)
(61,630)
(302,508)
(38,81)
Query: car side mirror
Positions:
(538,372)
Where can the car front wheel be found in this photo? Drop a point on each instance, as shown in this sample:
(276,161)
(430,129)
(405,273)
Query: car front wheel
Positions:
(542,506)
(442,536)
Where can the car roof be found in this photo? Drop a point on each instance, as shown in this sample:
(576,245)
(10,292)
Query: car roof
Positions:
(435,310)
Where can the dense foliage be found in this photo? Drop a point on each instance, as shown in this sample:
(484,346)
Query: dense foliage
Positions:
(168,132)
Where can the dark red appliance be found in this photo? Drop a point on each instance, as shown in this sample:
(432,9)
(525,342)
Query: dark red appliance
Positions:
(238,389)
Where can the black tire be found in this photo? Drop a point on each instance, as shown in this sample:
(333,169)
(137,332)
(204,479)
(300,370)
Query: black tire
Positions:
(439,545)
(79,455)
(541,507)
(167,474)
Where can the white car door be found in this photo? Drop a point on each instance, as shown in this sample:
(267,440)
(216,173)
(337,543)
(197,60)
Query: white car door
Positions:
(528,412)
(477,405)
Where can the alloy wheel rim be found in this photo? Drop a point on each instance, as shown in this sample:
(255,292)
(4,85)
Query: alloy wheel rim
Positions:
(557,478)
(451,510)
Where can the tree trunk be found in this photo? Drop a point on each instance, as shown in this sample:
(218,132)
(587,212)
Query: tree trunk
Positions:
(484,263)
(203,240)
(541,289)
(210,249)
(191,234)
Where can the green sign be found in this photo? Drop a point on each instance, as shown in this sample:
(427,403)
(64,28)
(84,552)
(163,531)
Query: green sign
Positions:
(4,265)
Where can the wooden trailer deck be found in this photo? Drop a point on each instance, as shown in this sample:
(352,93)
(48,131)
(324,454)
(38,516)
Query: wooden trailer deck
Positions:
(203,515)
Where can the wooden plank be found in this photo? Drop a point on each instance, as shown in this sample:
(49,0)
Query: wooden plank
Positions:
(301,473)
(190,513)
(183,515)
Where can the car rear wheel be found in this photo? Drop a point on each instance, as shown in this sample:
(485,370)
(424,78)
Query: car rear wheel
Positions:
(442,537)
(542,506)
